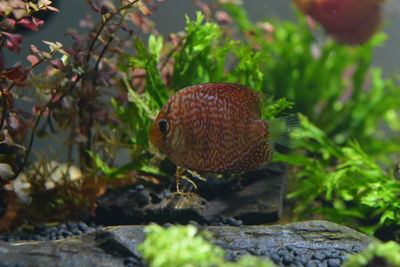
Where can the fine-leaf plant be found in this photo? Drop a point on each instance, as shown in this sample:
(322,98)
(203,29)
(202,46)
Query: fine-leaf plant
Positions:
(342,182)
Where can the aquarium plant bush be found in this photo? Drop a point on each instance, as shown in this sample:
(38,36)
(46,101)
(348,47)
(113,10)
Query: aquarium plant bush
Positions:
(347,184)
(69,88)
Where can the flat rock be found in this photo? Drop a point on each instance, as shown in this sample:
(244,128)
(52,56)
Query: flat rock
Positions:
(259,201)
(112,245)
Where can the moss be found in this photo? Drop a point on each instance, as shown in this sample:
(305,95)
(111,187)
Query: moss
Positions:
(184,246)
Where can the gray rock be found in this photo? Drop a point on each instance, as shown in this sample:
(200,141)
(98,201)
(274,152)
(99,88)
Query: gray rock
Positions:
(260,201)
(257,200)
(311,235)
(115,245)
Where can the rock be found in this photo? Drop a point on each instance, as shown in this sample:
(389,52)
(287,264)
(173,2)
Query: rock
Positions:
(127,206)
(257,199)
(260,200)
(116,245)
(108,247)
(3,206)
(313,235)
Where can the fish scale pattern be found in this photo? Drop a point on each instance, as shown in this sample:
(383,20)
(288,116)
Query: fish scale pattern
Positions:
(214,127)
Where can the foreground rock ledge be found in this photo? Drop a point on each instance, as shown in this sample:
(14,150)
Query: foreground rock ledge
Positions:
(111,245)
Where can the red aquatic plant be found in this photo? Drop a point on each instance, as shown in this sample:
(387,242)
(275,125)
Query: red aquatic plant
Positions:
(348,21)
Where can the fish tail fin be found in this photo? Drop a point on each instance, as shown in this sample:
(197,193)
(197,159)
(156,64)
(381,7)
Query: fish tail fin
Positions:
(284,131)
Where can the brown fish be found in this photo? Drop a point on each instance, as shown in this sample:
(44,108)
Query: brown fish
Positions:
(348,21)
(214,127)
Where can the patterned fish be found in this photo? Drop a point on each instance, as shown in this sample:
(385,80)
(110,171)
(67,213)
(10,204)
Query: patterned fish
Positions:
(214,127)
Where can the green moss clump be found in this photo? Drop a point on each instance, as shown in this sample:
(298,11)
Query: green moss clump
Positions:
(389,252)
(184,246)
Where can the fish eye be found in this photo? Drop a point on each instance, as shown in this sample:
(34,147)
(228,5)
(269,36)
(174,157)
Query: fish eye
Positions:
(163,126)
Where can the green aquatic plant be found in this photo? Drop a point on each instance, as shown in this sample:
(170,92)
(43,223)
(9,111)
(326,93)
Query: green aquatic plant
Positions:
(207,52)
(60,93)
(334,85)
(377,254)
(347,183)
(185,246)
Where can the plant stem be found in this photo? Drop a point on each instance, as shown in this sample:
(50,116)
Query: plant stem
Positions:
(3,112)
(168,57)
(73,86)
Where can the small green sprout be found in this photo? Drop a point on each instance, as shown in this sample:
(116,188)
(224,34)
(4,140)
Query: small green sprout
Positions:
(185,246)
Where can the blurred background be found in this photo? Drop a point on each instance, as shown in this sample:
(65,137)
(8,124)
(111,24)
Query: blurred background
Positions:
(169,18)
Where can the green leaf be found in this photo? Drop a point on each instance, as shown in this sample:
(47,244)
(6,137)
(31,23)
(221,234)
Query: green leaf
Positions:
(155,45)
(355,180)
(196,64)
(155,88)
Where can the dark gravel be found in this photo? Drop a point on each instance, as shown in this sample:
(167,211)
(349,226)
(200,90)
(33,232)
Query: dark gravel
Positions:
(295,257)
(291,257)
(69,229)
(54,232)
(222,220)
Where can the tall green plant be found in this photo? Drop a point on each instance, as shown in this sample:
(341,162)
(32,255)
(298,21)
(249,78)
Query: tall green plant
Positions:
(348,183)
(207,52)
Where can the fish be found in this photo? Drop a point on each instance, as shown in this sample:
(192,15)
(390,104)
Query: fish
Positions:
(350,22)
(215,127)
